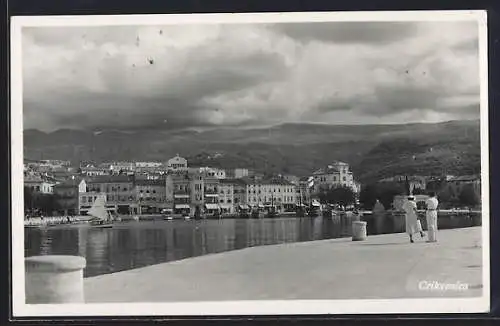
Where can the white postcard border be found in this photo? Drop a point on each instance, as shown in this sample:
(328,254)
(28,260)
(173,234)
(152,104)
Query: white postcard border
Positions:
(288,307)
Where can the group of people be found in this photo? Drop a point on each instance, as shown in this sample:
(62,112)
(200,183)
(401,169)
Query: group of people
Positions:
(413,225)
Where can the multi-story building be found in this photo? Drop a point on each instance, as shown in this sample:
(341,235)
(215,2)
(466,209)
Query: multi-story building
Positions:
(226,196)
(151,195)
(181,183)
(38,184)
(67,195)
(237,173)
(87,199)
(211,194)
(239,193)
(213,172)
(121,167)
(334,175)
(49,165)
(92,171)
(177,163)
(119,190)
(275,192)
(156,165)
(197,184)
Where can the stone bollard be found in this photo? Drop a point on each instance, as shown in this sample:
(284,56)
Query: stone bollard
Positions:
(358,231)
(54,279)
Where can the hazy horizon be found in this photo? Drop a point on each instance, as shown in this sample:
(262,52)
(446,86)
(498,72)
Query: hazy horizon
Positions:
(256,127)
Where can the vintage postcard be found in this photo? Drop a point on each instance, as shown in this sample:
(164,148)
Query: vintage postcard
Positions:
(250,164)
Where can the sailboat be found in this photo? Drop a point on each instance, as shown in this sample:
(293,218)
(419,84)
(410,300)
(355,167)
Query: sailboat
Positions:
(101,217)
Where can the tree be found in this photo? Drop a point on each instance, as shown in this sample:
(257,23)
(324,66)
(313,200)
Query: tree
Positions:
(386,192)
(407,186)
(44,203)
(368,196)
(418,191)
(343,196)
(28,198)
(468,196)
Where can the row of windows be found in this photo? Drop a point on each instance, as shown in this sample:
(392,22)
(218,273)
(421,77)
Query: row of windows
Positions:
(269,190)
(266,199)
(324,179)
(147,191)
(289,189)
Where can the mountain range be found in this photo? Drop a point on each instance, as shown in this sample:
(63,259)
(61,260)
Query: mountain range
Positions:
(373,151)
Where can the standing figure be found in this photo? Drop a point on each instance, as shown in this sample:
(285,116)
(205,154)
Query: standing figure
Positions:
(412,223)
(431,217)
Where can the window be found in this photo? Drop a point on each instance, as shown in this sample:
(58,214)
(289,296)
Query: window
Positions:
(154,191)
(344,178)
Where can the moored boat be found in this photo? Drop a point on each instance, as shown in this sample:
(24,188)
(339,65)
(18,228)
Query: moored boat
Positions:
(101,217)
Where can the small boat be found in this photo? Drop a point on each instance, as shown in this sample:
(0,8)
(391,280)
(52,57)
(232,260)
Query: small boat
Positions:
(168,218)
(101,217)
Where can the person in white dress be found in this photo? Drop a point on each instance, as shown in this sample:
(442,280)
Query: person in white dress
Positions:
(412,223)
(431,217)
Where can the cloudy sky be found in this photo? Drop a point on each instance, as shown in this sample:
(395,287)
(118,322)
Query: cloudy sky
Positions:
(249,75)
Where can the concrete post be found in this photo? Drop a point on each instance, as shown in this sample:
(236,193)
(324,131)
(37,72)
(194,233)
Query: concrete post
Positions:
(54,279)
(358,231)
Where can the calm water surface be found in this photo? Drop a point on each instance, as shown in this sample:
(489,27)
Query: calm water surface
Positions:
(136,244)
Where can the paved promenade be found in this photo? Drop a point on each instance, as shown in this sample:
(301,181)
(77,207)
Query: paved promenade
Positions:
(382,267)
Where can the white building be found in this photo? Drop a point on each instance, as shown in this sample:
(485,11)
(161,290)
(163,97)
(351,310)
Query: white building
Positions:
(148,165)
(40,186)
(240,173)
(226,196)
(177,163)
(334,175)
(92,171)
(274,192)
(116,167)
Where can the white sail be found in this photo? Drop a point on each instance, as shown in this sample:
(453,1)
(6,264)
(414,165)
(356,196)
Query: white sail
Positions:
(98,209)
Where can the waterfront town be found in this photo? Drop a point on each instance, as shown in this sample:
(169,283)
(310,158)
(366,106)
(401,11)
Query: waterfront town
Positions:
(56,188)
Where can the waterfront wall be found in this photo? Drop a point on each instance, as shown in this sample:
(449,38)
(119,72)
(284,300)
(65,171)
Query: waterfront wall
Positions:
(383,222)
(50,220)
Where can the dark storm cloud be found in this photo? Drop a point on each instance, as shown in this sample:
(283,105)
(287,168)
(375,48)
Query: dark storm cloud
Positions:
(350,32)
(219,75)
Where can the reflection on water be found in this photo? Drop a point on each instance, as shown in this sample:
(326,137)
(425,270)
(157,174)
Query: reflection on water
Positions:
(136,244)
